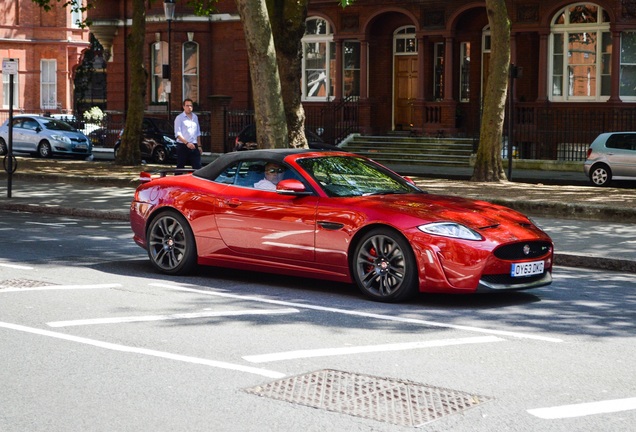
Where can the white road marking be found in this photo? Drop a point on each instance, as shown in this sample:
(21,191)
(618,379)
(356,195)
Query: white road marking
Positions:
(61,287)
(504,333)
(585,409)
(16,266)
(144,351)
(193,315)
(325,352)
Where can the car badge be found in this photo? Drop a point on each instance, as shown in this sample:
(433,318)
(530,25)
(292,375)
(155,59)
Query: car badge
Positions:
(526,249)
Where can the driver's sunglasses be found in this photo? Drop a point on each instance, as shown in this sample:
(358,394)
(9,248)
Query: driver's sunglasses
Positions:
(275,170)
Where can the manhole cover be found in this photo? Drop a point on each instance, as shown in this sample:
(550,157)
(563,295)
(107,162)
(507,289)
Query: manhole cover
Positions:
(388,400)
(22,283)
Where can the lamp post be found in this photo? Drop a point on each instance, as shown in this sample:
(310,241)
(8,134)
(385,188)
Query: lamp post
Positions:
(168,10)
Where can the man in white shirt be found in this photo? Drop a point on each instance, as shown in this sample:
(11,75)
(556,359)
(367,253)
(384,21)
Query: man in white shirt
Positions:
(188,134)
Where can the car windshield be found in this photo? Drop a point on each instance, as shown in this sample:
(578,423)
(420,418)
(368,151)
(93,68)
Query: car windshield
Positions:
(58,125)
(164,126)
(343,176)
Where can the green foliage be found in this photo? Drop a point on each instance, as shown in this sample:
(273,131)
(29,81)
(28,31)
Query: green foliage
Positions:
(203,7)
(345,3)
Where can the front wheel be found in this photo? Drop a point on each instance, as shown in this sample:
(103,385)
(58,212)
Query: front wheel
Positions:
(45,150)
(384,266)
(600,175)
(3,147)
(171,246)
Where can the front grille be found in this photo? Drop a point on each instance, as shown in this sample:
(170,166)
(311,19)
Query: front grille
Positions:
(506,279)
(515,251)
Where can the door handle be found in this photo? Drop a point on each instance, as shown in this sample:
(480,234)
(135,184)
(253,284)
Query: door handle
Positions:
(233,202)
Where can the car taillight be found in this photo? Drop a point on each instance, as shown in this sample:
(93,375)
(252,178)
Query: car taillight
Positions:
(589,152)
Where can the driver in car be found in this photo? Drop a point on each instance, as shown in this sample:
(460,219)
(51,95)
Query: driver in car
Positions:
(273,174)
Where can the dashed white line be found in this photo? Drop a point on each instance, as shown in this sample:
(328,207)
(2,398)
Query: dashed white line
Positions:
(192,315)
(416,321)
(325,352)
(16,266)
(61,287)
(144,351)
(584,409)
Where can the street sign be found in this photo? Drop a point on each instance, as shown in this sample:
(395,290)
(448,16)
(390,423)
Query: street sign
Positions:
(9,67)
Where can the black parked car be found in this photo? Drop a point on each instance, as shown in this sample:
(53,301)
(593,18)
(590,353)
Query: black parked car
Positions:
(158,143)
(246,140)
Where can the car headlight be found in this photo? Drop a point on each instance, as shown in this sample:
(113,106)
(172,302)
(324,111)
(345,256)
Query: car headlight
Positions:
(451,229)
(62,138)
(169,139)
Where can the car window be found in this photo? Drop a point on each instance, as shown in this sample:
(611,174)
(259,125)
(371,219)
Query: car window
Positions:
(53,124)
(248,173)
(18,122)
(621,141)
(30,124)
(348,176)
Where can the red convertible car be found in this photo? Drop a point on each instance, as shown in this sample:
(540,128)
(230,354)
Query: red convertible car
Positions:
(335,216)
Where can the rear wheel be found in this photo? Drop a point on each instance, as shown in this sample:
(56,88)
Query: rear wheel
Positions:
(3,147)
(600,175)
(171,246)
(45,150)
(384,266)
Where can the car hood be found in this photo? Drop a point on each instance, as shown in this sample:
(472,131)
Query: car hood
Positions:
(418,209)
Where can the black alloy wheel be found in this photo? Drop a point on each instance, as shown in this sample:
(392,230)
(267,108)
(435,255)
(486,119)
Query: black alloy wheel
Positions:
(384,266)
(171,246)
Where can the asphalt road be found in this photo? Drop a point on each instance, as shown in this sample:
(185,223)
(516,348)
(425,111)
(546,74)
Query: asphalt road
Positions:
(91,338)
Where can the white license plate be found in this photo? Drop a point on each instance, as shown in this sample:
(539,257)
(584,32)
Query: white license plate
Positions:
(527,269)
(81,146)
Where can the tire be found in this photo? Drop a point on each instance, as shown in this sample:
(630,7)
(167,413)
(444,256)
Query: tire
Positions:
(45,150)
(600,175)
(115,150)
(384,266)
(171,246)
(3,147)
(160,155)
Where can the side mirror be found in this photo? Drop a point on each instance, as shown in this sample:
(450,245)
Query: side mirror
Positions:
(292,187)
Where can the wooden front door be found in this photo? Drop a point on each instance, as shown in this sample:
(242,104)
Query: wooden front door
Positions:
(405,91)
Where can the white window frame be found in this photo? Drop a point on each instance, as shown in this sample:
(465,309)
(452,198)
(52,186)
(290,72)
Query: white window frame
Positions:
(159,57)
(351,70)
(186,72)
(625,64)
(48,84)
(76,15)
(325,38)
(405,41)
(599,29)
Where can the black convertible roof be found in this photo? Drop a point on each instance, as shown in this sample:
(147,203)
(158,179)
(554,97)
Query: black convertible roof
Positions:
(214,169)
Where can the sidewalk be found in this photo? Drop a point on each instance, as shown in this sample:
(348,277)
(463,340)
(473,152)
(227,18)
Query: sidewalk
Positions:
(591,227)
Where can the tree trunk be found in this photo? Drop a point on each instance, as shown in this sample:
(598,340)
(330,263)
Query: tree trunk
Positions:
(129,152)
(288,27)
(489,165)
(271,127)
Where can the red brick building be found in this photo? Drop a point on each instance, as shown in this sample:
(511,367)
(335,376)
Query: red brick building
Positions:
(47,47)
(416,66)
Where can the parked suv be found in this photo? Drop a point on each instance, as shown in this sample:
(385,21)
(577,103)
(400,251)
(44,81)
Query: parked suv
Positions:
(612,156)
(158,143)
(44,137)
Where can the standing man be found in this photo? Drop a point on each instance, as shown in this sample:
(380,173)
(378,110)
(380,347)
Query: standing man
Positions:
(188,134)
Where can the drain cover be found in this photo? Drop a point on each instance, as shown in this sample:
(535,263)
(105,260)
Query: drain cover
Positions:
(388,400)
(22,283)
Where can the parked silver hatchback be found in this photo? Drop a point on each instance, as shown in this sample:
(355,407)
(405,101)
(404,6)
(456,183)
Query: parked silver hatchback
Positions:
(44,137)
(612,156)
